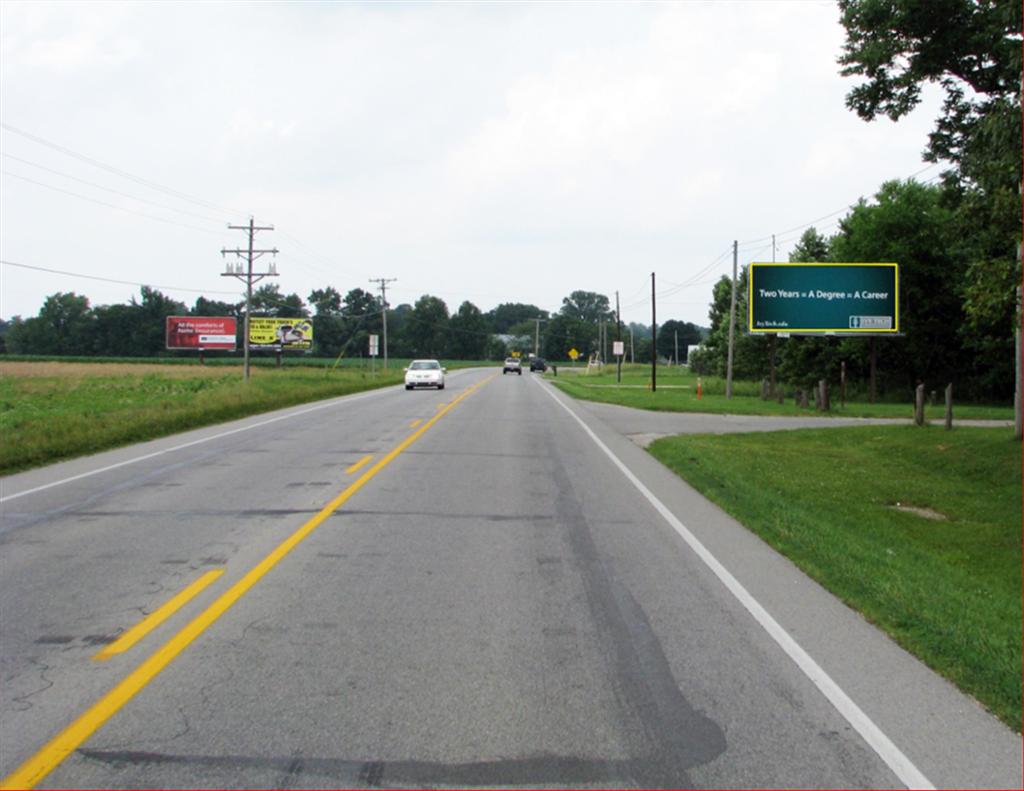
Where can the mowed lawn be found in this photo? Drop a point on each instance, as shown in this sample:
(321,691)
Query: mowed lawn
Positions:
(677,392)
(917,528)
(51,411)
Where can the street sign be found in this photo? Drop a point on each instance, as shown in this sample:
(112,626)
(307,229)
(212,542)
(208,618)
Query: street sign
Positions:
(374,345)
(201,332)
(573,354)
(618,348)
(853,299)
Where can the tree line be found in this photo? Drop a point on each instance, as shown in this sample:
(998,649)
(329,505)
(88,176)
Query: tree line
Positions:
(67,324)
(957,244)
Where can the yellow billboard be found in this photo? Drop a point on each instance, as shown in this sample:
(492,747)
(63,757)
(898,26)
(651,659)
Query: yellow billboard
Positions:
(287,334)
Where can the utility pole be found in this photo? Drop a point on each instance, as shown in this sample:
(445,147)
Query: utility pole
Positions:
(676,333)
(773,248)
(732,320)
(618,338)
(383,282)
(654,341)
(248,276)
(632,349)
(536,335)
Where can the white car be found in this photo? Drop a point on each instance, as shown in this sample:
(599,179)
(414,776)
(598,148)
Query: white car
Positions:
(425,373)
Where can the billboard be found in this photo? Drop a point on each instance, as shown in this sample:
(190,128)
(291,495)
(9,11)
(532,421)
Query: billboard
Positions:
(287,334)
(854,299)
(201,332)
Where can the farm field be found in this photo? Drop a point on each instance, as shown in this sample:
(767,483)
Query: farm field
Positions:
(917,528)
(57,410)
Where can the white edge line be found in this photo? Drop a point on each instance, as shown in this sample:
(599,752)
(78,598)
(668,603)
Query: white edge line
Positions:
(324,405)
(904,768)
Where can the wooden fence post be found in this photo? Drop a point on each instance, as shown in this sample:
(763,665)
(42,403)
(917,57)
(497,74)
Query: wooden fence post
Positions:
(919,405)
(949,407)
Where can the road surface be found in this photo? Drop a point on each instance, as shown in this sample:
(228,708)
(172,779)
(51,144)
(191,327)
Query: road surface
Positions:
(488,585)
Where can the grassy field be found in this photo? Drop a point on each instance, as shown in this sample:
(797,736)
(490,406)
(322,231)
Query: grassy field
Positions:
(677,392)
(918,529)
(56,410)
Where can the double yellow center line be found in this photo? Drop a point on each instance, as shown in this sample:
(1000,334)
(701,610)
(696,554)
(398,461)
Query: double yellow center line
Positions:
(67,741)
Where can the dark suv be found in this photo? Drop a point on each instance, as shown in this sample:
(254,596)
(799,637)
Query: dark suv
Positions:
(538,364)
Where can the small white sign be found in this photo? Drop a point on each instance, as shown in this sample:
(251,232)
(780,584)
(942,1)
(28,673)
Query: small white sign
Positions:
(374,345)
(618,348)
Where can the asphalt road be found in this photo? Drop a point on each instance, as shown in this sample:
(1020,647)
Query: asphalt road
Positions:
(509,592)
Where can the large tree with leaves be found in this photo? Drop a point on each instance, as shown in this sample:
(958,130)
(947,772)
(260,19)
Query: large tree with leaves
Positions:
(469,333)
(425,330)
(972,48)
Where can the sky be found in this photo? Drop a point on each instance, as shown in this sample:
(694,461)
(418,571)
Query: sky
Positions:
(482,151)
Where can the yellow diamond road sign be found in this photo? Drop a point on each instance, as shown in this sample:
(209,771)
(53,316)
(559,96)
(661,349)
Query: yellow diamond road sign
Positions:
(573,354)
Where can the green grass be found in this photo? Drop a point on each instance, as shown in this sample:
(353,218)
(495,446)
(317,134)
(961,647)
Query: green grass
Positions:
(948,591)
(677,392)
(69,410)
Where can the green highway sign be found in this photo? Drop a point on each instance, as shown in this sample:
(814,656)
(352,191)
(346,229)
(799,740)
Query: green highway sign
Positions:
(854,299)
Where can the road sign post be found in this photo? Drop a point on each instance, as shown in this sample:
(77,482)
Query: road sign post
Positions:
(374,351)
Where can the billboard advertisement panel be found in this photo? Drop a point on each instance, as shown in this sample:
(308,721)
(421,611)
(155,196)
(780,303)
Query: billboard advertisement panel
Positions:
(287,334)
(855,299)
(201,332)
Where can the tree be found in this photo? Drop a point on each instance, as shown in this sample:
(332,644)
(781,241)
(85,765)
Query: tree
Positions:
(972,49)
(210,307)
(503,317)
(957,43)
(750,358)
(325,301)
(686,332)
(267,300)
(148,321)
(811,248)
(909,224)
(469,334)
(360,317)
(426,329)
(563,333)
(63,326)
(587,306)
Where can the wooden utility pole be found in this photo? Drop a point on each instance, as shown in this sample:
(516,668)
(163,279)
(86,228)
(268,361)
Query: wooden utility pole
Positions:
(732,320)
(249,277)
(383,283)
(536,335)
(654,340)
(618,337)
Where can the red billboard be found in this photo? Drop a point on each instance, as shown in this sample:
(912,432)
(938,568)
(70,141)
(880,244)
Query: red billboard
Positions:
(201,332)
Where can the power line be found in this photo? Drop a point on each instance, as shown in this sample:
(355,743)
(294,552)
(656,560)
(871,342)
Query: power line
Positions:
(110,205)
(109,189)
(118,172)
(111,280)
